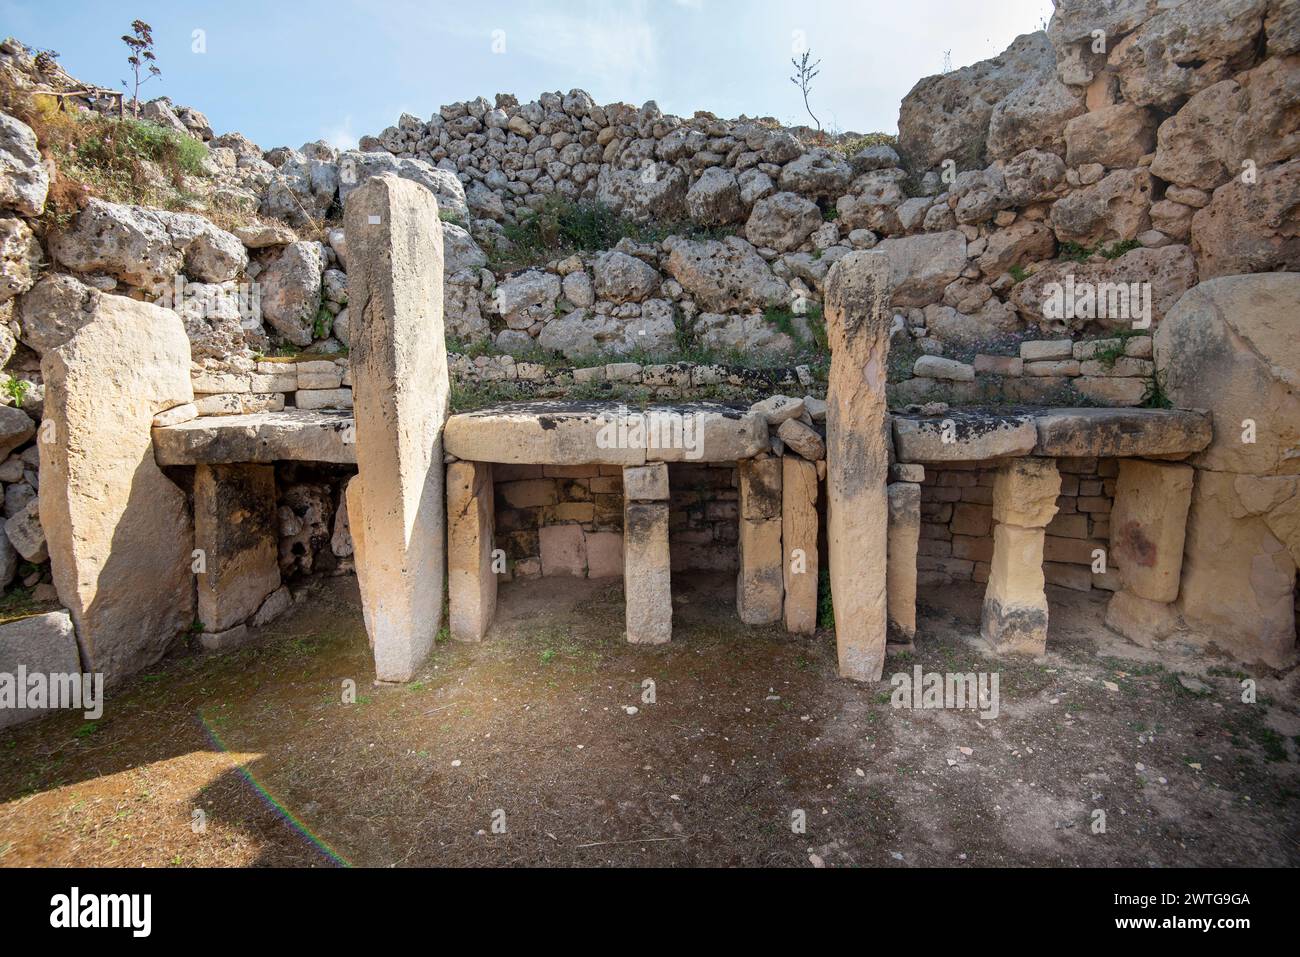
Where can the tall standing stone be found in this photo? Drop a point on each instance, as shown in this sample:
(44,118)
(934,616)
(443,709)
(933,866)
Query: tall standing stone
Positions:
(857,459)
(471,582)
(760,585)
(1015,602)
(647,564)
(400,392)
(1148,526)
(119,531)
(904,542)
(235,527)
(799,541)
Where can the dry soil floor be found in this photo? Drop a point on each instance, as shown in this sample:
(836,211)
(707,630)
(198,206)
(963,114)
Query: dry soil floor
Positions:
(526,750)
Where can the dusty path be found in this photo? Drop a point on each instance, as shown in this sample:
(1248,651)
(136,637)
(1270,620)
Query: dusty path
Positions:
(531,731)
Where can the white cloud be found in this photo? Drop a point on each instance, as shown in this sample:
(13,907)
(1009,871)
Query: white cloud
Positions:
(341,136)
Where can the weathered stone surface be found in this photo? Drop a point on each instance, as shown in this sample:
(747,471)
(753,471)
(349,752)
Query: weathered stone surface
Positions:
(471,521)
(1229,346)
(1250,227)
(119,531)
(857,324)
(963,437)
(292,435)
(1147,526)
(1014,618)
(1025,492)
(24,181)
(563,551)
(1119,289)
(1239,579)
(947,116)
(1116,136)
(724,276)
(1185,47)
(803,439)
(291,291)
(1032,116)
(904,538)
(145,247)
(584,335)
(647,573)
(655,192)
(20,257)
(715,198)
(235,528)
(1021,243)
(592,433)
(749,334)
(16,427)
(400,390)
(782,222)
(25,533)
(43,644)
(1115,209)
(1205,143)
(799,524)
(646,483)
(1141,620)
(622,278)
(356,168)
(921,267)
(1106,433)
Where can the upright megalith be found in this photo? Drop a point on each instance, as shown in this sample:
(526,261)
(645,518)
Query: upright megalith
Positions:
(471,580)
(399,396)
(799,541)
(857,459)
(1015,603)
(235,528)
(760,584)
(647,564)
(904,544)
(119,531)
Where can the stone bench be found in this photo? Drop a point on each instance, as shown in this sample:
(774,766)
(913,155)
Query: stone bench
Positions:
(1151,497)
(294,435)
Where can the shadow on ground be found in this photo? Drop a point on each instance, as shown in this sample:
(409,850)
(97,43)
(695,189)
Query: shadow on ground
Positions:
(524,750)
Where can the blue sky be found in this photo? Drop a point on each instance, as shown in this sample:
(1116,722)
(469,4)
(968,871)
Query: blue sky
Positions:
(288,73)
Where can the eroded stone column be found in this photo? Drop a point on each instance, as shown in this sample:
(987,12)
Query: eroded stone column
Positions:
(235,527)
(857,459)
(904,541)
(399,387)
(647,564)
(1148,526)
(799,525)
(119,531)
(1015,602)
(760,585)
(471,525)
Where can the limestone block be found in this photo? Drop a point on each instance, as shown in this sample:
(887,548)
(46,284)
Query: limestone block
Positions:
(760,584)
(760,488)
(564,551)
(646,483)
(1081,433)
(1025,492)
(119,531)
(1015,602)
(25,533)
(604,555)
(43,644)
(1147,526)
(963,437)
(904,539)
(471,582)
(647,573)
(400,393)
(1141,620)
(1239,579)
(857,459)
(292,436)
(803,439)
(799,524)
(235,527)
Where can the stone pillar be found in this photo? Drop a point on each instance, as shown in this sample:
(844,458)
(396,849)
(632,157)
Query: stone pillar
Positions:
(760,585)
(1148,525)
(799,525)
(904,541)
(647,564)
(471,525)
(1015,603)
(235,527)
(119,531)
(857,459)
(400,389)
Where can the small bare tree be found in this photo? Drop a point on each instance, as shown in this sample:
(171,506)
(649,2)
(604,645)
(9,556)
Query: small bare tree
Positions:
(140,43)
(805,73)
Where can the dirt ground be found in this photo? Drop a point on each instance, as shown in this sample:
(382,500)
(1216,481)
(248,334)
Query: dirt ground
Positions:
(525,750)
